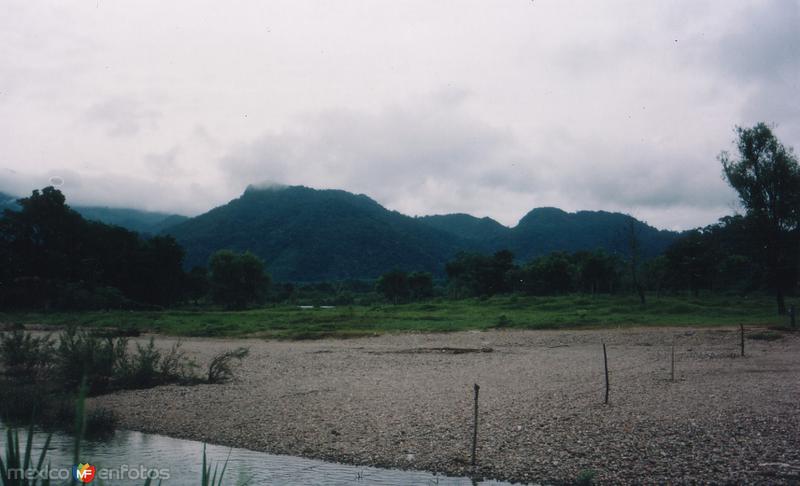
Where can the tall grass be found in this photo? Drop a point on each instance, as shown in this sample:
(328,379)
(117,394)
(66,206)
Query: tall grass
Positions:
(18,460)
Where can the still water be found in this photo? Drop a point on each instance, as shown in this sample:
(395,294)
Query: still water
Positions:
(128,456)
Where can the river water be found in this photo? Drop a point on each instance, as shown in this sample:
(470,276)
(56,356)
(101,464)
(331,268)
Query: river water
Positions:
(127,457)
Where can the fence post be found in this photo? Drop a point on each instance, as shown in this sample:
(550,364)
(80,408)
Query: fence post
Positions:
(605,365)
(741,327)
(672,362)
(476,388)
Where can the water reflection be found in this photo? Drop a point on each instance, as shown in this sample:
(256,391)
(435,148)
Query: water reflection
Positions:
(183,461)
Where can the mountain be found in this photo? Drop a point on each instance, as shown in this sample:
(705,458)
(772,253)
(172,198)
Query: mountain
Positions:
(485,234)
(145,222)
(306,234)
(7,201)
(545,230)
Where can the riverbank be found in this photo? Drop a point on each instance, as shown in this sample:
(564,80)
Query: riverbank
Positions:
(405,401)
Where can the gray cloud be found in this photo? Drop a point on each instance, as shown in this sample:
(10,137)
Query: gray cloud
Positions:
(386,154)
(165,163)
(123,116)
(618,105)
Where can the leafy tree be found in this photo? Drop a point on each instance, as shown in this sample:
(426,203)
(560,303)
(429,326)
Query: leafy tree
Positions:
(476,274)
(394,286)
(692,262)
(237,279)
(420,285)
(597,270)
(547,275)
(767,177)
(196,284)
(634,240)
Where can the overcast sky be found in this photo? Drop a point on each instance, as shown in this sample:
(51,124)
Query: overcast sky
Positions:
(489,107)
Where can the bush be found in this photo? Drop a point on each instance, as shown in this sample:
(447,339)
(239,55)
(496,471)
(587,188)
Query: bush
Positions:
(24,355)
(82,354)
(221,368)
(149,367)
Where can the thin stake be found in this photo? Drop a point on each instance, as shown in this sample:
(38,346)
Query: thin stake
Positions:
(672,366)
(605,365)
(741,326)
(475,427)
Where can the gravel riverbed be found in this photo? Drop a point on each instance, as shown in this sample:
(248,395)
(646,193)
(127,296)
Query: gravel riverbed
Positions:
(405,401)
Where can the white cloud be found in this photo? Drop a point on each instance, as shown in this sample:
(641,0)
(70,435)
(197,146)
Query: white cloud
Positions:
(484,107)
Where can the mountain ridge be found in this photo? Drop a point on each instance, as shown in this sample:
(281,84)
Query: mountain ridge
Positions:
(354,236)
(307,234)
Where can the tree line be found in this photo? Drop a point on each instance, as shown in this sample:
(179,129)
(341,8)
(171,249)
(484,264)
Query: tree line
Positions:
(52,258)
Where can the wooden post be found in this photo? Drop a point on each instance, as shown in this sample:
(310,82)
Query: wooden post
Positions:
(605,365)
(475,426)
(741,327)
(672,362)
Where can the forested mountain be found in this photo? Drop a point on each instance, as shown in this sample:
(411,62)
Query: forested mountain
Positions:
(7,201)
(146,222)
(306,234)
(545,230)
(485,234)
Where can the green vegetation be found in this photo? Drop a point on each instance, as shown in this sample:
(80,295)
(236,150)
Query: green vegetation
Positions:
(237,280)
(50,257)
(17,460)
(221,367)
(436,315)
(767,177)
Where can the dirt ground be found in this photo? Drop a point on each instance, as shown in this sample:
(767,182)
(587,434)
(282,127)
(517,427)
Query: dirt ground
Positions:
(406,401)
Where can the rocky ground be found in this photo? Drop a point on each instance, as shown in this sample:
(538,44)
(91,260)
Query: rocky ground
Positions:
(405,401)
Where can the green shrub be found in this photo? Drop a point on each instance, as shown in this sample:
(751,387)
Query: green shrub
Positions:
(220,369)
(22,354)
(80,354)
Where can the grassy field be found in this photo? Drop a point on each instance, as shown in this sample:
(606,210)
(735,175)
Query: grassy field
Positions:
(519,312)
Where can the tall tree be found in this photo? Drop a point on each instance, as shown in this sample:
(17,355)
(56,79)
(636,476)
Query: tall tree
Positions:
(635,257)
(237,279)
(767,177)
(393,285)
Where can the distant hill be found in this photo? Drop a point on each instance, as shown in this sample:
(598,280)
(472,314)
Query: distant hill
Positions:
(481,233)
(146,222)
(7,201)
(305,234)
(545,230)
